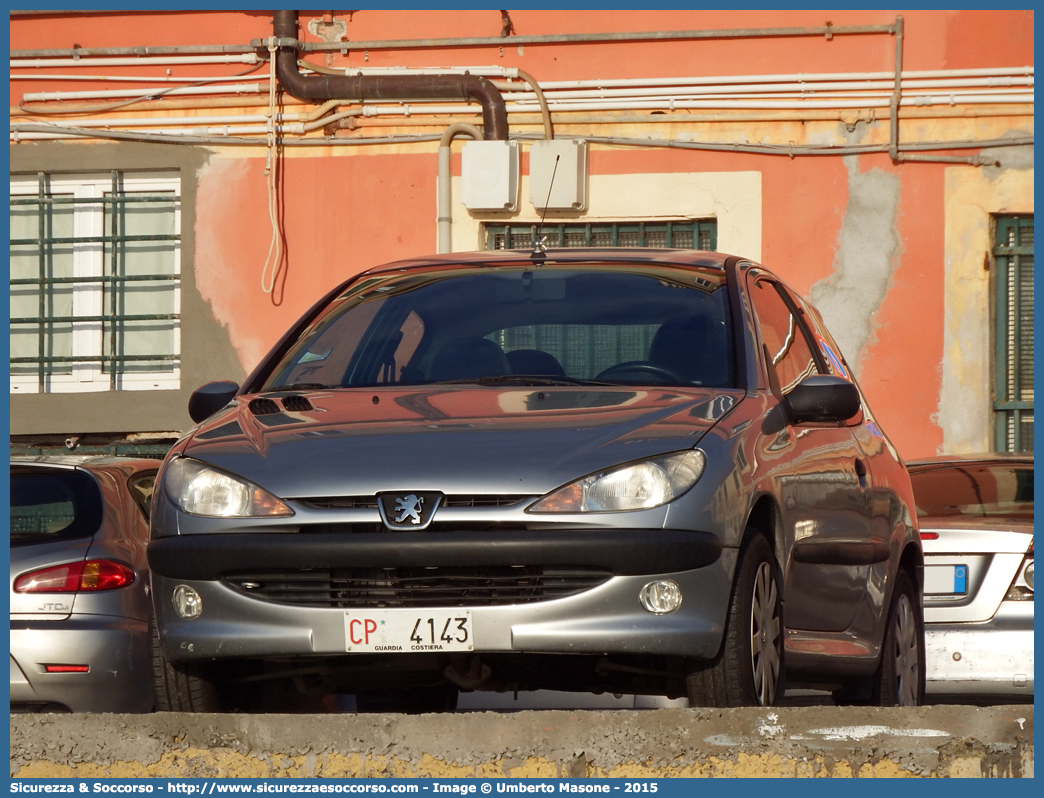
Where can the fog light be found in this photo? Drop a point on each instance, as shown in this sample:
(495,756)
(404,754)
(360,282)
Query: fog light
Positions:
(1028,574)
(661,597)
(187,602)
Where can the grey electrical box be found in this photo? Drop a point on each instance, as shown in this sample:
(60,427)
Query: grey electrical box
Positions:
(568,191)
(489,175)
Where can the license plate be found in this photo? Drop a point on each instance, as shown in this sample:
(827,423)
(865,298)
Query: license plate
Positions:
(408,631)
(946,580)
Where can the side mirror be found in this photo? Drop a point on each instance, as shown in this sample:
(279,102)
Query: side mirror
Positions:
(823,398)
(208,399)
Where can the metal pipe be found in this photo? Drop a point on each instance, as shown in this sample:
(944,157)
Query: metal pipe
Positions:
(445,217)
(549,132)
(575,38)
(496,41)
(363,87)
(897,93)
(486,72)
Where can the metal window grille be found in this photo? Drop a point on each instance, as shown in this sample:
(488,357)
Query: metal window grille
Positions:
(690,234)
(95,282)
(1013,400)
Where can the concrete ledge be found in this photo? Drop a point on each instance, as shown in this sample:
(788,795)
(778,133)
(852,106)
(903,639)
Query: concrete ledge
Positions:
(938,741)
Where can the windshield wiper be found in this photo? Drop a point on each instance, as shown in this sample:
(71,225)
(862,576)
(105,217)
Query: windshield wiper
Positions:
(521,379)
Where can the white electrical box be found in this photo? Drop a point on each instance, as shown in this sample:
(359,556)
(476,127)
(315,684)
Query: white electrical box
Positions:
(489,175)
(566,160)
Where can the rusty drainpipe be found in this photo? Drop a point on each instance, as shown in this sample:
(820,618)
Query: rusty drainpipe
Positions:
(897,94)
(320,88)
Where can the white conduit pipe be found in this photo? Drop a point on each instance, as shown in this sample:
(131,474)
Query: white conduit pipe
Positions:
(234,125)
(123,78)
(752,82)
(804,88)
(231,119)
(521,96)
(791,95)
(238,88)
(614,87)
(799,77)
(533,106)
(145,60)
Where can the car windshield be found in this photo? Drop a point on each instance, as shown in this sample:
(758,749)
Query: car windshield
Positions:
(601,324)
(53,505)
(974,490)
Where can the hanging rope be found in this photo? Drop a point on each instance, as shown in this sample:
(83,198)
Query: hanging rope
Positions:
(276,246)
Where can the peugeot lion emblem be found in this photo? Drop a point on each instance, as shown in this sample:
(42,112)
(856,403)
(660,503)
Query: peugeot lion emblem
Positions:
(408,511)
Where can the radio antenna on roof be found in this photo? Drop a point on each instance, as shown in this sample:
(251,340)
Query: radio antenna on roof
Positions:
(539,244)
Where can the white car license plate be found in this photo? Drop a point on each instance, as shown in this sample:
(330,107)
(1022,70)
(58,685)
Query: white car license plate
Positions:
(408,631)
(945,580)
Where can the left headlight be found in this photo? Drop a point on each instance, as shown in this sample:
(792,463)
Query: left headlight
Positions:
(201,490)
(636,486)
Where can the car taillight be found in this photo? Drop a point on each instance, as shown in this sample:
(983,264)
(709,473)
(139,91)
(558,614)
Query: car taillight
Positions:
(67,668)
(76,577)
(929,536)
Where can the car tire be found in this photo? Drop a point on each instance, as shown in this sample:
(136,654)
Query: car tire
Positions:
(180,687)
(899,680)
(748,670)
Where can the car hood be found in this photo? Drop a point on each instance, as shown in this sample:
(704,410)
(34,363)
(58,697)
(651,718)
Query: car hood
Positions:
(454,439)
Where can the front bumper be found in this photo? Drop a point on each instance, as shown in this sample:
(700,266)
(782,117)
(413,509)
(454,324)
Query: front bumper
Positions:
(115,649)
(607,619)
(991,658)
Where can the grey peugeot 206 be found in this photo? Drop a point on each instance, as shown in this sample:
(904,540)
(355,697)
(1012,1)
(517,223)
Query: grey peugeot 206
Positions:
(622,470)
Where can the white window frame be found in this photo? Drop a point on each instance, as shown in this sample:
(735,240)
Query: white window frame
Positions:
(89,261)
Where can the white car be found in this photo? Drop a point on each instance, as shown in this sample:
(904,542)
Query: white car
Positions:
(976,521)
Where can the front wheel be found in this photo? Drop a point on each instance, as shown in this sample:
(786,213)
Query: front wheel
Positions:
(180,687)
(899,680)
(748,671)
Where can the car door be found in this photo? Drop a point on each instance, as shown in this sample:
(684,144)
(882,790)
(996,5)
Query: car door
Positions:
(820,474)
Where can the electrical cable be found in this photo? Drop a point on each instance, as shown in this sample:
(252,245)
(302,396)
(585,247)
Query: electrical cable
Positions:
(276,244)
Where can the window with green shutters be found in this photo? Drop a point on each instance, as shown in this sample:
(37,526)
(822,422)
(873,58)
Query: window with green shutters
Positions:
(688,234)
(1013,399)
(95,282)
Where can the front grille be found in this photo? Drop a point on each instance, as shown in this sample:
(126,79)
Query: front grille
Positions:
(370,502)
(342,503)
(469,586)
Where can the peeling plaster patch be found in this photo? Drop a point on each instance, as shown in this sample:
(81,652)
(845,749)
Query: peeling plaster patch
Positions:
(217,252)
(1009,157)
(867,255)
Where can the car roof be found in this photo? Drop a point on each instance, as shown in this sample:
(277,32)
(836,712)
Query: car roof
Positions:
(512,257)
(981,458)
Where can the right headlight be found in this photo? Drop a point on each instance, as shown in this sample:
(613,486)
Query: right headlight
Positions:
(635,486)
(200,490)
